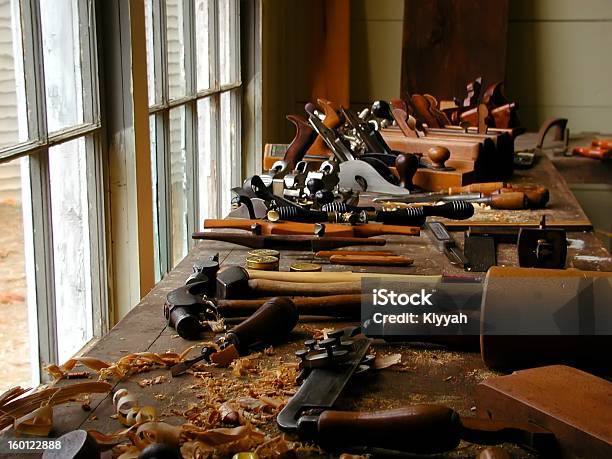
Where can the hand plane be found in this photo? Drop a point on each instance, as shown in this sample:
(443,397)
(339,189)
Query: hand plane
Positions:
(327,367)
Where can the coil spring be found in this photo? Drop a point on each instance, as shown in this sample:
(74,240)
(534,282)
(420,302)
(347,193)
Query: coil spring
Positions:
(337,206)
(457,210)
(300,215)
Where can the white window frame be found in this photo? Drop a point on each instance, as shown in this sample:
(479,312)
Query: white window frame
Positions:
(161,112)
(41,285)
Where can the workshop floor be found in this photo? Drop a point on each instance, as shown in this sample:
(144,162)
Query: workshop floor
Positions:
(14,346)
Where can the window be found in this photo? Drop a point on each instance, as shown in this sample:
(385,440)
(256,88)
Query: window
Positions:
(194,86)
(50,176)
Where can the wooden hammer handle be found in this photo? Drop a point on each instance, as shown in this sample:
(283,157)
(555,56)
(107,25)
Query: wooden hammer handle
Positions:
(270,287)
(367,260)
(333,305)
(327,276)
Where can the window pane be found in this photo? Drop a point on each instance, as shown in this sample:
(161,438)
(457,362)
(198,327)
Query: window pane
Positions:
(150,51)
(71,256)
(176,48)
(61,55)
(178,184)
(229,58)
(202,43)
(207,164)
(13,115)
(154,179)
(229,158)
(15,345)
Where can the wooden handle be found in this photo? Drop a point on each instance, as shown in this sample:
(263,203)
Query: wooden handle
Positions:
(509,201)
(377,229)
(423,429)
(270,323)
(333,305)
(406,165)
(366,260)
(484,187)
(593,153)
(400,116)
(305,135)
(269,287)
(422,110)
(537,196)
(232,223)
(343,276)
(374,253)
(438,156)
(602,143)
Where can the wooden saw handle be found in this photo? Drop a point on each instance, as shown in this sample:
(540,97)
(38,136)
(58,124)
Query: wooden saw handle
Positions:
(417,429)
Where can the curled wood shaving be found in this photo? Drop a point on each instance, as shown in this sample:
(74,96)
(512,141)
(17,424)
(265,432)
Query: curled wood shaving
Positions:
(156,432)
(221,442)
(275,447)
(61,371)
(127,365)
(37,423)
(21,407)
(386,361)
(128,410)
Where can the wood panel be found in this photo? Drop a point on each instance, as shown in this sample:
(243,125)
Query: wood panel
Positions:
(560,10)
(449,42)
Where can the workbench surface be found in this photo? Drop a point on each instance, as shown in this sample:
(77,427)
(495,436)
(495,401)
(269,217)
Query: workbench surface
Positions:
(426,374)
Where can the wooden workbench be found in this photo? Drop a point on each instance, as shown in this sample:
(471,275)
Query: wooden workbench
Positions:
(426,374)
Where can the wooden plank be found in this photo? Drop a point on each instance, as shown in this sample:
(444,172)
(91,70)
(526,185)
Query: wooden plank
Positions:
(448,43)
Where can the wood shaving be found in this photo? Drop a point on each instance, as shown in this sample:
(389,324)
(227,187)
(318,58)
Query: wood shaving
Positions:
(30,411)
(127,365)
(386,361)
(128,411)
(150,382)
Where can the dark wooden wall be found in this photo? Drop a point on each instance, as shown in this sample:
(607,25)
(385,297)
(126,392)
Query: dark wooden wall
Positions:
(447,43)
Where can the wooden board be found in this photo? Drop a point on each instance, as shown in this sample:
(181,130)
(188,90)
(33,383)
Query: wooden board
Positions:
(447,43)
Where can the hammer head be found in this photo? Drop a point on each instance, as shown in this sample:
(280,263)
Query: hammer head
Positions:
(232,282)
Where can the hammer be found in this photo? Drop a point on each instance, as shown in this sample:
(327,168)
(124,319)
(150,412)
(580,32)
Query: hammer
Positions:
(235,282)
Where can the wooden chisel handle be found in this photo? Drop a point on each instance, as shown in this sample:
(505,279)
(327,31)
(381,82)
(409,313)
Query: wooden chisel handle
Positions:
(509,201)
(367,260)
(374,253)
(332,305)
(537,196)
(270,287)
(485,187)
(429,428)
